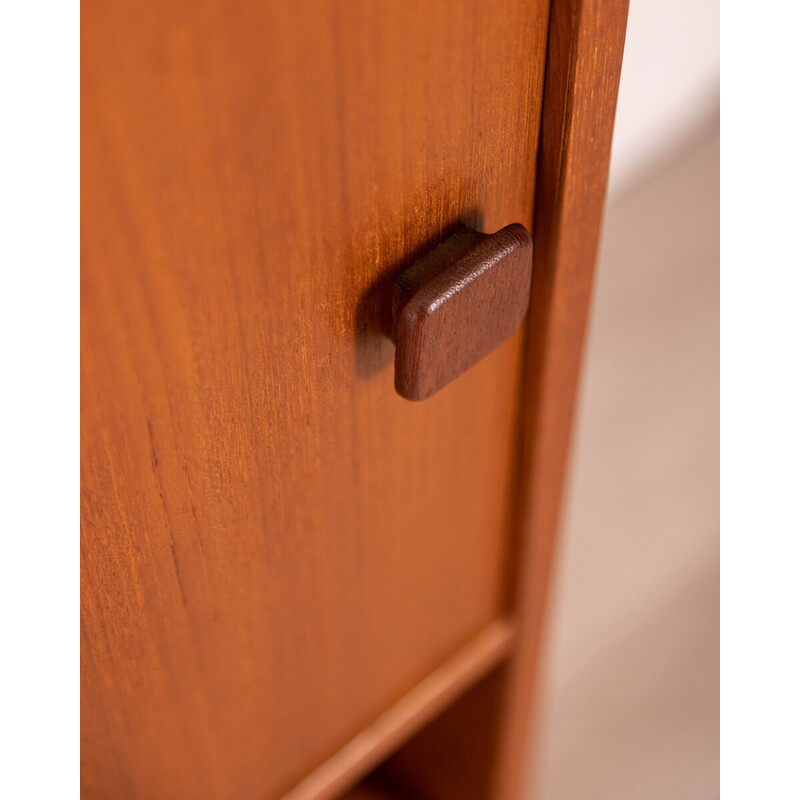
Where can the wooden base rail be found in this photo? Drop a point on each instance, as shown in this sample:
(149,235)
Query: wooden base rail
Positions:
(409,714)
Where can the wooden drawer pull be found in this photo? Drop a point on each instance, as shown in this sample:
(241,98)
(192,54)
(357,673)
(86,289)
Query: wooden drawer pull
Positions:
(457,304)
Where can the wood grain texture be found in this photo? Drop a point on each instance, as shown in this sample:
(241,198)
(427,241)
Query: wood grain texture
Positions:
(585,46)
(456,305)
(275,546)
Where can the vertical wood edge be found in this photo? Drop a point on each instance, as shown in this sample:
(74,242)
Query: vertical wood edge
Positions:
(584,60)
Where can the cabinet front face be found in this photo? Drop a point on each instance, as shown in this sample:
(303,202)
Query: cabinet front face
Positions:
(275,545)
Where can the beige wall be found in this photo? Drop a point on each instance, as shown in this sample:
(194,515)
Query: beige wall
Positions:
(669,85)
(631,694)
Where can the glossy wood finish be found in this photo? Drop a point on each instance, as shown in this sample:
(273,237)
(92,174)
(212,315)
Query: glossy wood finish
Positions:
(456,305)
(584,61)
(276,547)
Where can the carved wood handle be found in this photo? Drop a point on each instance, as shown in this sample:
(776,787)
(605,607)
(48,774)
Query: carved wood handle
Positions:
(457,304)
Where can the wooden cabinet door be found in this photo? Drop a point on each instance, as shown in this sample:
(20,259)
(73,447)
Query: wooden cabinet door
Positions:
(275,545)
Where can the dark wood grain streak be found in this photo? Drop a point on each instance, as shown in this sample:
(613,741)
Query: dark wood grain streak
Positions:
(585,45)
(456,305)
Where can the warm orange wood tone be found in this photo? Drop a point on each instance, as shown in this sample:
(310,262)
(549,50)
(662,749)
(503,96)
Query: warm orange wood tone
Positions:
(409,714)
(276,547)
(583,67)
(456,305)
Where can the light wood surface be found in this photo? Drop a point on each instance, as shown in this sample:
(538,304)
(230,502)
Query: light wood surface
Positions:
(276,547)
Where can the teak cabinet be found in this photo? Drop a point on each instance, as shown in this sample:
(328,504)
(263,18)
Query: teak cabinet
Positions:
(295,582)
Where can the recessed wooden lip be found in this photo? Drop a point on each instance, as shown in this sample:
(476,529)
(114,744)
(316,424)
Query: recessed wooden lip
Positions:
(490,647)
